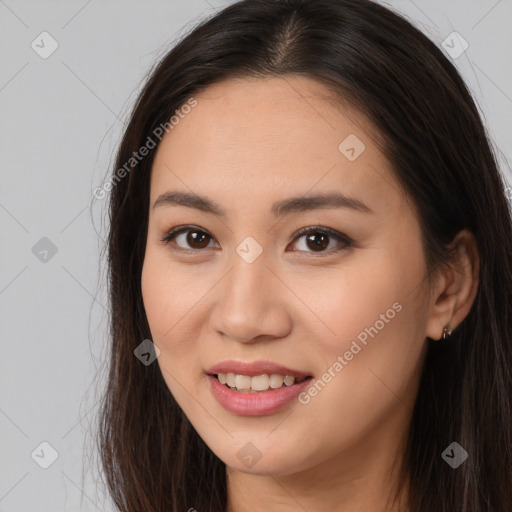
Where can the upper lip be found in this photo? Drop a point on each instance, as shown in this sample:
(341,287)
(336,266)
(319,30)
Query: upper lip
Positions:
(254,368)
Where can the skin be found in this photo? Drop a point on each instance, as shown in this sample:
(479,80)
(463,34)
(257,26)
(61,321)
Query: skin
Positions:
(247,144)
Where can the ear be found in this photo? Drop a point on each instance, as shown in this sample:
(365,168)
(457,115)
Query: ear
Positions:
(455,287)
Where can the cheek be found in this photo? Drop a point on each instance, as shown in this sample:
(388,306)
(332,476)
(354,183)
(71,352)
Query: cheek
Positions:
(349,300)
(372,315)
(164,306)
(171,297)
(169,294)
(158,296)
(379,318)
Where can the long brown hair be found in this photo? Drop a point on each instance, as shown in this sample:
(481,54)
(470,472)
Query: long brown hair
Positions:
(432,133)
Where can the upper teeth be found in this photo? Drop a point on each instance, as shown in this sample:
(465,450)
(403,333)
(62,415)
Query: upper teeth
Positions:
(257,383)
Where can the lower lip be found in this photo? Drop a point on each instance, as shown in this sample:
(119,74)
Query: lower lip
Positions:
(255,404)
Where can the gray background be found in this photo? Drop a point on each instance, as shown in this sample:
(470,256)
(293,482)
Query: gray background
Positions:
(61,120)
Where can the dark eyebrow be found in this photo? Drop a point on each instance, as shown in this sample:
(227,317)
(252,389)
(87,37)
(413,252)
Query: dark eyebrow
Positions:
(293,204)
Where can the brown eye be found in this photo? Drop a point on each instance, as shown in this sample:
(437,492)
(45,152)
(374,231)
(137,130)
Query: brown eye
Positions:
(197,239)
(318,239)
(187,238)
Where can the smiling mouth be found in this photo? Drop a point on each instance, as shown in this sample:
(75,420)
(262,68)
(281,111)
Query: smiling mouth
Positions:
(259,383)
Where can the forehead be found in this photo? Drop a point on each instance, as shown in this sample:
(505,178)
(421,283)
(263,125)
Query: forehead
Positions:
(255,138)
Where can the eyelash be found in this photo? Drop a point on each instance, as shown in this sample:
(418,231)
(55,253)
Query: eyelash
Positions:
(173,233)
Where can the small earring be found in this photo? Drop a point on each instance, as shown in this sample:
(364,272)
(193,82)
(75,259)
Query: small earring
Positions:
(447,332)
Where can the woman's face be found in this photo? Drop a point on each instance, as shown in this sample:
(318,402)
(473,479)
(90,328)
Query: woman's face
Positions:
(242,293)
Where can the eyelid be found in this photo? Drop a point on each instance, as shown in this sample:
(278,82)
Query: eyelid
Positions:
(340,237)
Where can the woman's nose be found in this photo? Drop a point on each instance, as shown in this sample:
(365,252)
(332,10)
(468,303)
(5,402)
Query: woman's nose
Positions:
(251,303)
